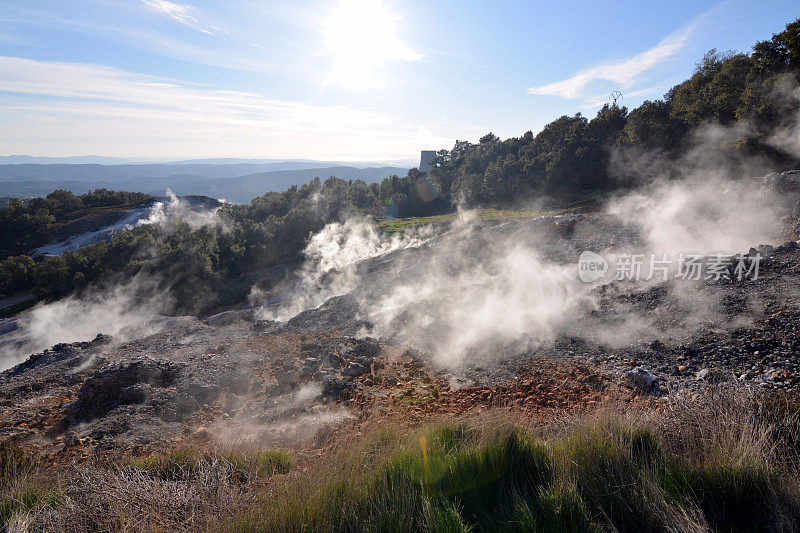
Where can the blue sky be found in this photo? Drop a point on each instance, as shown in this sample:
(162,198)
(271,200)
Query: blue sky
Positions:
(338,80)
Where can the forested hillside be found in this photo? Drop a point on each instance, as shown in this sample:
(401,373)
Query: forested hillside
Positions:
(35,221)
(572,157)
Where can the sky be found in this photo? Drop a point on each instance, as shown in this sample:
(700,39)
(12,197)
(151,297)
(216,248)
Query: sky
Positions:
(348,80)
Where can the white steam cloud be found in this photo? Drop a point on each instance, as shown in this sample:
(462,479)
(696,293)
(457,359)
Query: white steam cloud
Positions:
(330,269)
(463,303)
(121,312)
(176,210)
(126,311)
(699,216)
(478,291)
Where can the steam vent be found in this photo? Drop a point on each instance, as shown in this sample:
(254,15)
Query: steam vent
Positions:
(425,158)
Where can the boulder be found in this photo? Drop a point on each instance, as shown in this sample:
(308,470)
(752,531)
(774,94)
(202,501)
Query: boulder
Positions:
(101,340)
(642,379)
(354,369)
(367,347)
(657,345)
(332,360)
(333,388)
(203,392)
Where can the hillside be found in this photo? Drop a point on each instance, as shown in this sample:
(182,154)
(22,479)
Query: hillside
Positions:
(236,182)
(243,189)
(592,328)
(467,385)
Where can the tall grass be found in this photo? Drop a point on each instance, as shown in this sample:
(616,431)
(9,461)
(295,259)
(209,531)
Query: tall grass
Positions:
(22,492)
(720,463)
(186,463)
(183,490)
(727,461)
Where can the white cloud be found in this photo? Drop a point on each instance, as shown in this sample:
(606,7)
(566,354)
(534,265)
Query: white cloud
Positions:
(623,73)
(125,29)
(177,12)
(86,108)
(167,98)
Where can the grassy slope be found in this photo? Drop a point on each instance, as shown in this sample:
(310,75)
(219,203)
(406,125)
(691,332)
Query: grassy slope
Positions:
(398,224)
(726,464)
(726,461)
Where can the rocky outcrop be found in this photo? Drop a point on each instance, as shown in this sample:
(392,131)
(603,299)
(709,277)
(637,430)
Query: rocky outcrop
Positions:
(122,384)
(783,183)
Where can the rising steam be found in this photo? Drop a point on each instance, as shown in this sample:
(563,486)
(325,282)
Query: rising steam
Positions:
(121,311)
(476,292)
(126,311)
(330,268)
(174,209)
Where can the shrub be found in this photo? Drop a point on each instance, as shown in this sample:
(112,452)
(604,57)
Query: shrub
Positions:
(187,463)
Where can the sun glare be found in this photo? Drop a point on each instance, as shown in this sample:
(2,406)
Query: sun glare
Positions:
(361,37)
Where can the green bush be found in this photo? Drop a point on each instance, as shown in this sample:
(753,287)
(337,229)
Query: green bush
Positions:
(28,499)
(186,463)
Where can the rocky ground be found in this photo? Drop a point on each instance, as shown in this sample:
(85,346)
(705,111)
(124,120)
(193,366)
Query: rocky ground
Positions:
(233,377)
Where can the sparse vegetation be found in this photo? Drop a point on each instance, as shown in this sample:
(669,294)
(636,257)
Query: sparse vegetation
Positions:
(186,463)
(187,489)
(726,461)
(613,473)
(399,224)
(14,464)
(22,492)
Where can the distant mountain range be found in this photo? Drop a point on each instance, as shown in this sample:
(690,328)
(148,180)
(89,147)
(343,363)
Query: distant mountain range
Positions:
(105,160)
(18,159)
(231,179)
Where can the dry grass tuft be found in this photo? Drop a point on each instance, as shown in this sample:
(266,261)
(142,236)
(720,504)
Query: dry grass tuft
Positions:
(725,461)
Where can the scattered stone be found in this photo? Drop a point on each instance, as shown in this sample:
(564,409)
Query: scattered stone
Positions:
(237,381)
(311,362)
(122,384)
(642,379)
(354,369)
(260,326)
(288,378)
(227,318)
